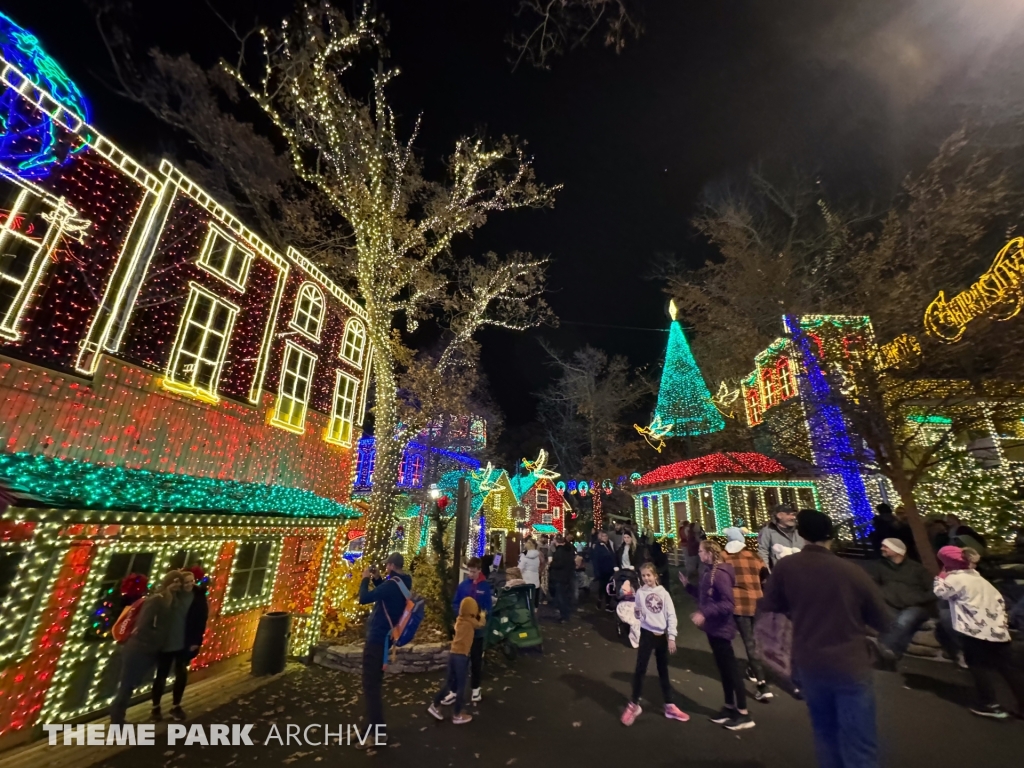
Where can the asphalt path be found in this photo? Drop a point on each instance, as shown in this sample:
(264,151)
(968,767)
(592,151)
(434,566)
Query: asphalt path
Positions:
(562,707)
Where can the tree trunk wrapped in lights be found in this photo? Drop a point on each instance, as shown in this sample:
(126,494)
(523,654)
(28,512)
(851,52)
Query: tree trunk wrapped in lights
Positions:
(402,225)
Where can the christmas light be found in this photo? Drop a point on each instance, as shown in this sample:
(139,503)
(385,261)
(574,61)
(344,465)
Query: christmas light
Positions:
(684,402)
(712,464)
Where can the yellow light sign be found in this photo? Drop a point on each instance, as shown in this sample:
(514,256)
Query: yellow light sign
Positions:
(999,294)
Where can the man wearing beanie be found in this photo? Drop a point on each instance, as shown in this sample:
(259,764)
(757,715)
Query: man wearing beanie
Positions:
(388,606)
(830,602)
(907,588)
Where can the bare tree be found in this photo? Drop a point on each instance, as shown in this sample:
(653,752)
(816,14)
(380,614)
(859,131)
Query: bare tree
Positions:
(558,26)
(402,224)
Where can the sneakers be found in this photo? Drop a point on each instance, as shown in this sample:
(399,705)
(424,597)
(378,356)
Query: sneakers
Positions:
(764,693)
(434,712)
(739,723)
(724,716)
(672,712)
(751,676)
(448,700)
(177,713)
(155,715)
(462,718)
(476,697)
(631,713)
(609,609)
(993,710)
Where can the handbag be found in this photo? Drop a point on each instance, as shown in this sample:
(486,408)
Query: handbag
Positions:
(773,633)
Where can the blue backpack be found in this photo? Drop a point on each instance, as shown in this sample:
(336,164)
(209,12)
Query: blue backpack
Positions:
(405,630)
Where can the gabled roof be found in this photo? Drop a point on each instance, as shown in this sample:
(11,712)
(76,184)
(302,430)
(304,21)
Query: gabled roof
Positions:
(523,484)
(713,464)
(449,484)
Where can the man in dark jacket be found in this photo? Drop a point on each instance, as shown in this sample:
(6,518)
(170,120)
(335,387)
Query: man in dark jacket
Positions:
(602,558)
(475,585)
(561,574)
(388,606)
(830,601)
(907,588)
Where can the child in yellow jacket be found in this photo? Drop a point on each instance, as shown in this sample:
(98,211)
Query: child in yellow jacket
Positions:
(469,620)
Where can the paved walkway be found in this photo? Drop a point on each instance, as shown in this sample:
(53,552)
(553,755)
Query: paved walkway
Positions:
(563,708)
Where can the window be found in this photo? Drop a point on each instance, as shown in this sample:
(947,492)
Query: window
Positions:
(293,393)
(107,603)
(495,499)
(806,496)
(542,498)
(343,413)
(785,378)
(223,257)
(753,401)
(355,341)
(545,519)
(199,350)
(9,562)
(31,226)
(309,311)
(416,472)
(556,513)
(185,558)
(249,576)
(788,495)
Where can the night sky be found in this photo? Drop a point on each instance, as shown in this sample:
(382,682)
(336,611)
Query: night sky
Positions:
(857,91)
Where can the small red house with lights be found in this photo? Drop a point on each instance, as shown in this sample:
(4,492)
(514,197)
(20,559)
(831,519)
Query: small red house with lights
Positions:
(546,507)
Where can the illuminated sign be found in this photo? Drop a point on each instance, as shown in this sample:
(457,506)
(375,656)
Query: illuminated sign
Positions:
(902,352)
(998,294)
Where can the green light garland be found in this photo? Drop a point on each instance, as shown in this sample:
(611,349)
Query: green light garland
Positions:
(684,401)
(80,484)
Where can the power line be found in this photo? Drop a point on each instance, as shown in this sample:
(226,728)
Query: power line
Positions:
(606,325)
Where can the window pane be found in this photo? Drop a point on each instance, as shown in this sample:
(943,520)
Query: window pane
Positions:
(262,555)
(256,583)
(240,585)
(9,562)
(246,554)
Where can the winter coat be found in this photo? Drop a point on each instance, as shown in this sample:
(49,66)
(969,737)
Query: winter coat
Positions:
(469,620)
(481,591)
(152,626)
(563,565)
(903,586)
(195,621)
(602,556)
(715,600)
(977,608)
(529,564)
(634,559)
(773,544)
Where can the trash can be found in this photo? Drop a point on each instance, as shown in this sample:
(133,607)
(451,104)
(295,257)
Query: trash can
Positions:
(270,650)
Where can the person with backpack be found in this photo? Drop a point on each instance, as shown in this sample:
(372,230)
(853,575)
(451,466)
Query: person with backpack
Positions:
(475,585)
(469,622)
(143,642)
(389,603)
(187,619)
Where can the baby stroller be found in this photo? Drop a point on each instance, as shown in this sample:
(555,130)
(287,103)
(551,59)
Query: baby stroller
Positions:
(622,587)
(512,625)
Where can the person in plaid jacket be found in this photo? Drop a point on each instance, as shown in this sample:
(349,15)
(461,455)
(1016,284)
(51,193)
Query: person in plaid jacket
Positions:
(746,593)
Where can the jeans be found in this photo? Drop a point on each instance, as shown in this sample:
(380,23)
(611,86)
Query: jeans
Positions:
(476,660)
(901,632)
(659,645)
(458,666)
(989,661)
(745,624)
(561,595)
(373,682)
(843,719)
(729,671)
(135,664)
(948,638)
(179,660)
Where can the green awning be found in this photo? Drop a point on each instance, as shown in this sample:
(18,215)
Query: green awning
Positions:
(541,528)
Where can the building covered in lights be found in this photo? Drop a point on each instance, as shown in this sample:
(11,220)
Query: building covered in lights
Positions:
(173,391)
(718,491)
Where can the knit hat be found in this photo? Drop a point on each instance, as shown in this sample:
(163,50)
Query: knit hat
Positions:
(952,558)
(734,540)
(895,545)
(814,526)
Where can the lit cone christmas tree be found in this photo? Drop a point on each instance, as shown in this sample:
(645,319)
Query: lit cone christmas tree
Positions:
(684,402)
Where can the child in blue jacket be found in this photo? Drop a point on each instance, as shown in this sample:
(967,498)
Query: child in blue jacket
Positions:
(475,585)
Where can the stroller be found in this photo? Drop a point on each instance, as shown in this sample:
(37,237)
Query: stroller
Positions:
(513,624)
(618,589)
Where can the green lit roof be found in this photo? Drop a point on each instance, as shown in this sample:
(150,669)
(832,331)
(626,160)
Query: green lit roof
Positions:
(83,485)
(543,528)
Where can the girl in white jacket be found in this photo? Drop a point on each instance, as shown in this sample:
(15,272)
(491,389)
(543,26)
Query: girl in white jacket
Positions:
(529,564)
(657,615)
(979,619)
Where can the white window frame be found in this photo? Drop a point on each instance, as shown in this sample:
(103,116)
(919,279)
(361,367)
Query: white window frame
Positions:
(238,605)
(341,404)
(356,327)
(556,513)
(545,518)
(542,501)
(189,387)
(311,314)
(293,353)
(221,271)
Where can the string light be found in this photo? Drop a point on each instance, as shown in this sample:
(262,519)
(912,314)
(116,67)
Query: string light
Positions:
(712,464)
(684,404)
